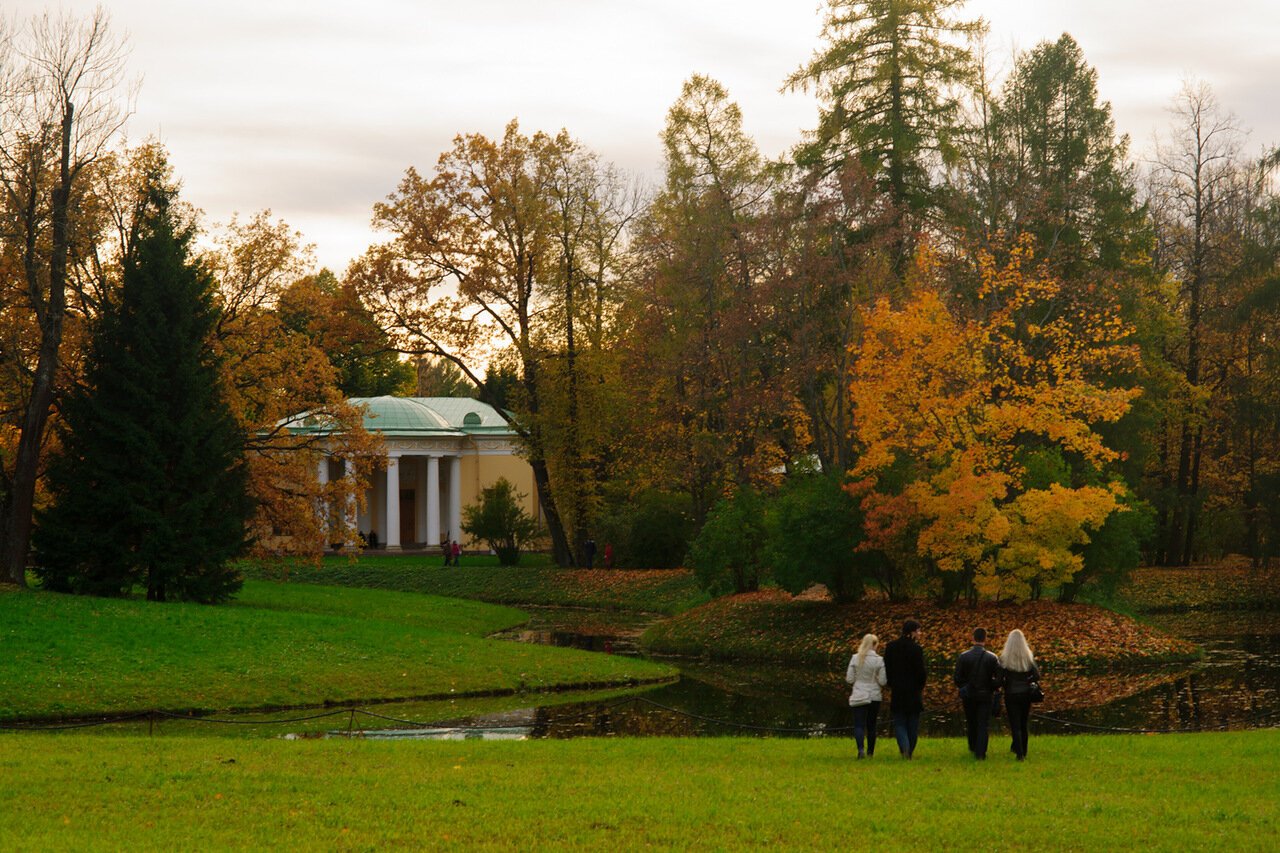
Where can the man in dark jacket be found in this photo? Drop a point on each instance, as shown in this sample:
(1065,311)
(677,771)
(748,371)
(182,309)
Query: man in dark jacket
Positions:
(977,672)
(905,671)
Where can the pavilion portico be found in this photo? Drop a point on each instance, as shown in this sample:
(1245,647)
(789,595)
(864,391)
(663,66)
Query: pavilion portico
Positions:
(420,490)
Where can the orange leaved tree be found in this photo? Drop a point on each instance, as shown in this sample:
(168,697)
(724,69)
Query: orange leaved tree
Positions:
(981,454)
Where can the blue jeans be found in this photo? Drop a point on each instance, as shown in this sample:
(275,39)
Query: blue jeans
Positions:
(906,728)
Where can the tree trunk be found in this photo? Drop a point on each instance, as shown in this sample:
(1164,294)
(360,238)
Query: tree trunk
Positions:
(17,538)
(560,549)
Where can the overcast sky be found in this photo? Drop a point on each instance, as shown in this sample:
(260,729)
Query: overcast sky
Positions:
(314,108)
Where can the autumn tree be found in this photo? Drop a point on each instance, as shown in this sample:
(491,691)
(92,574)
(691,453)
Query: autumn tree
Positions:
(502,256)
(1196,199)
(889,78)
(952,410)
(283,390)
(716,410)
(1254,388)
(593,207)
(60,106)
(329,312)
(828,254)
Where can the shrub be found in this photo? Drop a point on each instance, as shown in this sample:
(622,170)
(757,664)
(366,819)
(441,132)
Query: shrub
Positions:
(728,555)
(814,527)
(659,532)
(500,521)
(1115,549)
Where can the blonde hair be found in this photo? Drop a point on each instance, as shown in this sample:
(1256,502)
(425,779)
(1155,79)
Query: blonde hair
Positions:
(1016,654)
(868,643)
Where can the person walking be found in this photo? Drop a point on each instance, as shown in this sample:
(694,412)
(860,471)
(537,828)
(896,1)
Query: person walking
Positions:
(866,674)
(456,550)
(905,671)
(977,676)
(446,548)
(1020,677)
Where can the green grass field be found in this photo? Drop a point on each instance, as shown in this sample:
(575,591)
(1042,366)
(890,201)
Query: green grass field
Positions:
(1176,792)
(278,646)
(657,591)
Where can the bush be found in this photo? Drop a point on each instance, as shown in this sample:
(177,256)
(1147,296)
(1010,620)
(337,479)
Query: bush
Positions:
(1115,549)
(655,531)
(500,521)
(814,527)
(728,555)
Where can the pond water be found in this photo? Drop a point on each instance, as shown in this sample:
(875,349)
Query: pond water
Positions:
(1236,686)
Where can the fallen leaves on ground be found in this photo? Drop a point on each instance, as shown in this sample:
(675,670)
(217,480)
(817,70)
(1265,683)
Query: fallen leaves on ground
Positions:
(1202,588)
(770,625)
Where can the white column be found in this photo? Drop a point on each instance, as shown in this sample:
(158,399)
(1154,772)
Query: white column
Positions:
(322,501)
(431,497)
(349,472)
(455,497)
(392,534)
(420,500)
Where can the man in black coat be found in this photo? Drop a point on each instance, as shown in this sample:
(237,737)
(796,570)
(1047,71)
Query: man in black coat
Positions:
(905,671)
(977,673)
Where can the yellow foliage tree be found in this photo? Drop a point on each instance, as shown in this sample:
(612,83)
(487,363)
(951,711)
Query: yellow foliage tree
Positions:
(946,407)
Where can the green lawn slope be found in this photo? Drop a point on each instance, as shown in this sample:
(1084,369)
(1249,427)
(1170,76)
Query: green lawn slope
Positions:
(1174,792)
(278,646)
(656,591)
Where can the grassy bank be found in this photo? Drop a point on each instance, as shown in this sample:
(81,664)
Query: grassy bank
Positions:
(771,626)
(1174,590)
(1177,792)
(656,591)
(279,646)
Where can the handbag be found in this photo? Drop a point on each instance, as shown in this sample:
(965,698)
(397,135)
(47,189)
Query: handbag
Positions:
(1035,693)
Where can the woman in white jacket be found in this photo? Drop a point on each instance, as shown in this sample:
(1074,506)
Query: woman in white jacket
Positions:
(866,674)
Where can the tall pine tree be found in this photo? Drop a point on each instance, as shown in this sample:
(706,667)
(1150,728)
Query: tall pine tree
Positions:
(889,79)
(149,487)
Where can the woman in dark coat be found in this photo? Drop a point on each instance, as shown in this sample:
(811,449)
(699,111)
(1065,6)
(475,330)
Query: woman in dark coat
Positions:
(1018,672)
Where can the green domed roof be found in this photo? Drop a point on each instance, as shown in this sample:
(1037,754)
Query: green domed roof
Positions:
(414,416)
(400,416)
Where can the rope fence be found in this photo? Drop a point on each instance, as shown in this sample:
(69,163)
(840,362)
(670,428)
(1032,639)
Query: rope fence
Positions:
(351,713)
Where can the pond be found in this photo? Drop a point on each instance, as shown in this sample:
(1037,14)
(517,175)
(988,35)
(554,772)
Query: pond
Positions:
(1237,685)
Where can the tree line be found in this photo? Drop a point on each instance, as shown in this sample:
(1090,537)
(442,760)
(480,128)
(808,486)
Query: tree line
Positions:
(1015,356)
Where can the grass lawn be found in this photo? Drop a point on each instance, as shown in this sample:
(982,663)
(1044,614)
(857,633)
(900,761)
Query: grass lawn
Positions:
(657,591)
(279,646)
(1175,792)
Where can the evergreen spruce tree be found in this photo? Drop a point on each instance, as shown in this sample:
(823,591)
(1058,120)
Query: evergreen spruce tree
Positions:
(889,81)
(149,487)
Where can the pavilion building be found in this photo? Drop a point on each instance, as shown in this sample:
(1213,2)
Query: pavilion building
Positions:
(440,453)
